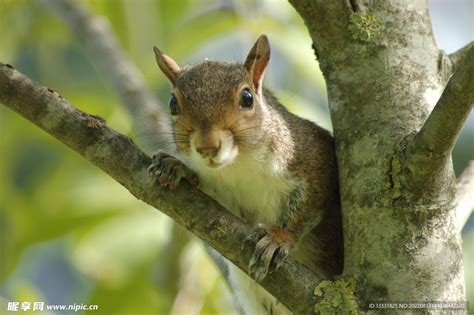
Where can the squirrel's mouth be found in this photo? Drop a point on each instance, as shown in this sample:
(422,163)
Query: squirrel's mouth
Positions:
(219,162)
(213,164)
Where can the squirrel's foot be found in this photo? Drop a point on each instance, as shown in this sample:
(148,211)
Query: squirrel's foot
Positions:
(168,171)
(273,246)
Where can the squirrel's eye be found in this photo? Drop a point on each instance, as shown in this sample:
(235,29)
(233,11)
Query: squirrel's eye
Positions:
(174,105)
(246,99)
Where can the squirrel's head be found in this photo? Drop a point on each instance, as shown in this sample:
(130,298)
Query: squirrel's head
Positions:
(217,107)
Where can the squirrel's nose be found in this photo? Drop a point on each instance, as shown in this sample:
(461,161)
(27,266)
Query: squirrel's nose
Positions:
(208,151)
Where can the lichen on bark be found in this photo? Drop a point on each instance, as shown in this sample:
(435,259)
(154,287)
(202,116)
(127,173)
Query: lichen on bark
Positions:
(366,27)
(336,297)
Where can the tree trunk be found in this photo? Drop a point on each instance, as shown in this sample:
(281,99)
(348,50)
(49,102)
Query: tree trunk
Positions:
(402,207)
(384,75)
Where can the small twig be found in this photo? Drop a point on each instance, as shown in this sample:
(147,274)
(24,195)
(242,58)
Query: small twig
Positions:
(440,131)
(458,56)
(465,196)
(107,54)
(168,267)
(119,157)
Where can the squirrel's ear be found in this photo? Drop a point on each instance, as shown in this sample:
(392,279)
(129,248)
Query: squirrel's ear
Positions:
(257,60)
(167,65)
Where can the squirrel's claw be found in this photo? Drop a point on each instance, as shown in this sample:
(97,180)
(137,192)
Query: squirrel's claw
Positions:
(270,252)
(168,171)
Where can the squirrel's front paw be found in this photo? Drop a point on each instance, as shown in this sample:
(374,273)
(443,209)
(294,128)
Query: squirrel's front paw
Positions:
(168,171)
(273,246)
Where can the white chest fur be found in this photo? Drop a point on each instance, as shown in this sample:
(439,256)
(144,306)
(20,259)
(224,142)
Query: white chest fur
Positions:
(253,189)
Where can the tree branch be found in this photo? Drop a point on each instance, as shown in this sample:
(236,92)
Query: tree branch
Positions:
(119,157)
(106,53)
(104,50)
(465,196)
(440,131)
(457,57)
(426,157)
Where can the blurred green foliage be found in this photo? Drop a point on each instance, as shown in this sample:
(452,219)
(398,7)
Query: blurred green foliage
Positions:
(69,233)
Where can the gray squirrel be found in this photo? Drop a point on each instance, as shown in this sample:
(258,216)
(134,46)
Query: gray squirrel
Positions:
(273,169)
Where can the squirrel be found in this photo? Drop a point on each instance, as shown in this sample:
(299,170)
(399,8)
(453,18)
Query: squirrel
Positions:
(273,169)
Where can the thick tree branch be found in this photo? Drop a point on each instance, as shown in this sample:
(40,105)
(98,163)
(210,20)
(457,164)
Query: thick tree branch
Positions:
(465,196)
(440,131)
(104,50)
(457,57)
(107,54)
(119,157)
(381,68)
(327,24)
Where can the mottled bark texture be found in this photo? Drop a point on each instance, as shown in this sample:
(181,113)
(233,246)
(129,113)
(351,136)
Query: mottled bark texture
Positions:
(119,157)
(394,137)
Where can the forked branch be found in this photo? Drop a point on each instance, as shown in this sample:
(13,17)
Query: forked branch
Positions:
(457,57)
(440,131)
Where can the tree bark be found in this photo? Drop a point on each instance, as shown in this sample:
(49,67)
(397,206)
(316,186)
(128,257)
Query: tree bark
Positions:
(385,75)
